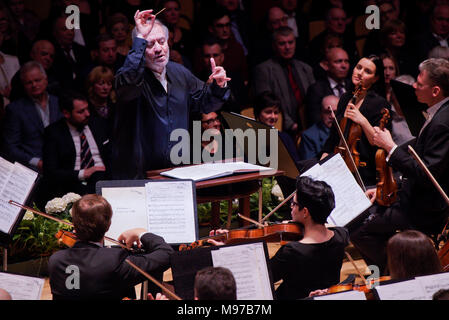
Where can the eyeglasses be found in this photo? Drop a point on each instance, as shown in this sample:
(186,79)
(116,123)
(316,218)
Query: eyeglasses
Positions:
(294,203)
(211,121)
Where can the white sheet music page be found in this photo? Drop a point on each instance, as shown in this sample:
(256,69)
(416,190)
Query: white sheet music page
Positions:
(350,200)
(128,209)
(6,168)
(404,290)
(248,264)
(171,210)
(433,283)
(17,188)
(21,287)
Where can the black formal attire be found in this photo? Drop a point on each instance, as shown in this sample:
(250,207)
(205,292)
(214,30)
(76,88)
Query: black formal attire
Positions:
(60,156)
(103,272)
(305,267)
(420,205)
(315,94)
(371,109)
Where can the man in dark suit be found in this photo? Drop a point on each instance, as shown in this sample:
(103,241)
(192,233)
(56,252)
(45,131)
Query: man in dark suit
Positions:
(420,205)
(287,78)
(76,148)
(436,35)
(26,118)
(70,58)
(89,270)
(336,66)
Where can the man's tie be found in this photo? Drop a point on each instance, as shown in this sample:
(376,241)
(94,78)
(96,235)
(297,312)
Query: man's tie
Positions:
(85,155)
(340,89)
(294,85)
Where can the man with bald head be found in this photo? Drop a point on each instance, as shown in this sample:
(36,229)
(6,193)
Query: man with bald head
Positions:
(336,65)
(436,35)
(43,52)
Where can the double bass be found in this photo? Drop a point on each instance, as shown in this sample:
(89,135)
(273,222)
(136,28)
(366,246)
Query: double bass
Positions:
(386,189)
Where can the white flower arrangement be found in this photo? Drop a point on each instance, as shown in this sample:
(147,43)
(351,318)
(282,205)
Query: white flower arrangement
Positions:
(277,192)
(28,215)
(57,205)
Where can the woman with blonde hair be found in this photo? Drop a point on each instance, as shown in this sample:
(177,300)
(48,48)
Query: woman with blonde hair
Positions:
(99,91)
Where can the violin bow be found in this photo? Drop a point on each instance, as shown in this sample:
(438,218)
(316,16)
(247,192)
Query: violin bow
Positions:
(431,177)
(250,220)
(342,137)
(278,206)
(58,220)
(355,266)
(160,285)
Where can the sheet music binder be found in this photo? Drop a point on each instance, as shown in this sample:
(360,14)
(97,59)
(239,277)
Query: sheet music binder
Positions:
(6,237)
(185,265)
(100,185)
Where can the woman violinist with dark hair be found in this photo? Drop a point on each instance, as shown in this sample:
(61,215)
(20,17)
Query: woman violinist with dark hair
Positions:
(364,110)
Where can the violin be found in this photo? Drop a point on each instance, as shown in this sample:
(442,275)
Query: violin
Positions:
(386,190)
(66,237)
(365,288)
(352,132)
(278,232)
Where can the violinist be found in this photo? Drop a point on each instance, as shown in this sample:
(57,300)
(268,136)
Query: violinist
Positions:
(89,270)
(315,261)
(420,205)
(365,111)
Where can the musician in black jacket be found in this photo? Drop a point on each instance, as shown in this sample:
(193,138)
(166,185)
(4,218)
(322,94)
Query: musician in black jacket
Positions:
(89,270)
(420,205)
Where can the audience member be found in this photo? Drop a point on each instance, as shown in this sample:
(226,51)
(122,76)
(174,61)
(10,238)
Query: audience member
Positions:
(26,118)
(288,78)
(76,149)
(439,52)
(100,95)
(118,27)
(43,52)
(336,83)
(215,283)
(105,53)
(70,57)
(9,65)
(27,20)
(313,139)
(115,279)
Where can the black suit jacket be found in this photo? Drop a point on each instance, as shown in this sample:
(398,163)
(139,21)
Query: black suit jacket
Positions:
(419,199)
(60,157)
(315,94)
(103,272)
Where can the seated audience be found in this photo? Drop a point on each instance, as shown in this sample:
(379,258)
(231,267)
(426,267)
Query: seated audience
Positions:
(99,92)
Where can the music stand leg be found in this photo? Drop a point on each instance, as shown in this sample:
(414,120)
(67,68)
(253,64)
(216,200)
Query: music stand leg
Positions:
(260,201)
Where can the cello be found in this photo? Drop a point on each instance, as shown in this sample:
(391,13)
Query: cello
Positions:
(386,189)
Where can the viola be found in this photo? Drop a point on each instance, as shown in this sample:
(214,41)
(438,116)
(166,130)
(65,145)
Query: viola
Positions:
(66,237)
(351,134)
(386,190)
(279,232)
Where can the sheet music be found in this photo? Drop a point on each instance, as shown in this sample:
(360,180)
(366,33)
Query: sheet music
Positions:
(212,170)
(6,168)
(171,210)
(16,188)
(21,287)
(248,264)
(348,295)
(350,200)
(129,209)
(405,290)
(433,283)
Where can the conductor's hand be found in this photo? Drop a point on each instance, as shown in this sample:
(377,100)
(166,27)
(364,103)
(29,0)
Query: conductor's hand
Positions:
(90,171)
(143,26)
(371,194)
(218,74)
(216,233)
(383,139)
(131,236)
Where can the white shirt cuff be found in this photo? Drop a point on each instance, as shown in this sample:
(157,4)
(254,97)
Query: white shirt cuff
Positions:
(391,152)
